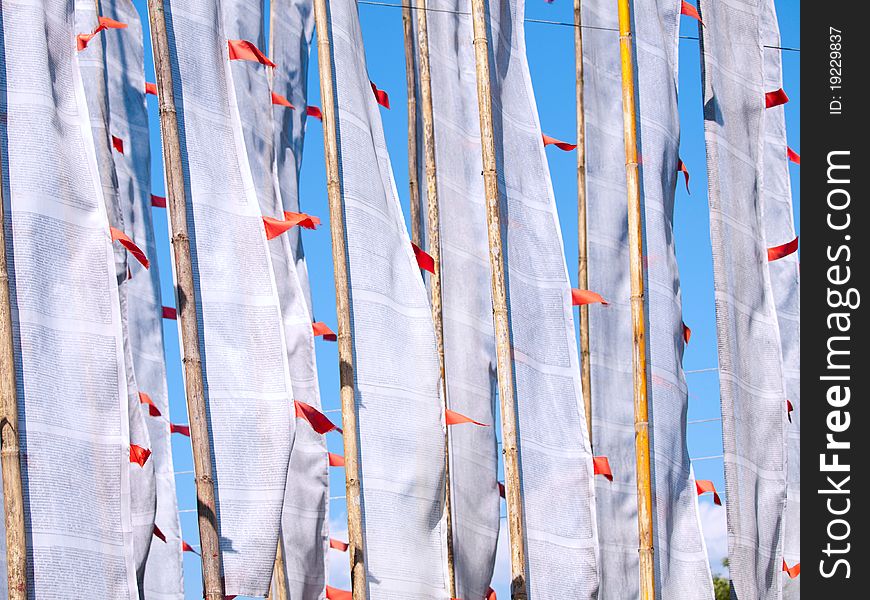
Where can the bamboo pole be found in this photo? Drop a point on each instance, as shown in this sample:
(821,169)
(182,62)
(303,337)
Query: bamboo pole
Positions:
(434,230)
(342,304)
(501,325)
(186,299)
(13,494)
(635,248)
(279,576)
(411,78)
(583,252)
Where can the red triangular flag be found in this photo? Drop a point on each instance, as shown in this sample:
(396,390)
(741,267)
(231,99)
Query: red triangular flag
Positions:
(601,466)
(82,40)
(158,201)
(451,417)
(501,489)
(118,144)
(424,259)
(103,23)
(681,168)
(279,100)
(687,333)
(338,545)
(690,11)
(789,407)
(793,156)
(319,422)
(275,227)
(313,111)
(793,571)
(321,329)
(185,547)
(245,50)
(139,455)
(170,313)
(151,88)
(583,297)
(705,485)
(182,429)
(490,594)
(782,250)
(336,460)
(152,408)
(775,98)
(551,141)
(337,594)
(381,96)
(302,219)
(159,534)
(123,239)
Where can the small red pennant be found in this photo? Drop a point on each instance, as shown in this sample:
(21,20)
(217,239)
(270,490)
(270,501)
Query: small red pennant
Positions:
(302,219)
(793,571)
(103,23)
(681,168)
(789,408)
(319,422)
(337,594)
(245,50)
(690,11)
(279,100)
(601,466)
(158,201)
(181,429)
(451,417)
(150,88)
(793,156)
(123,239)
(782,250)
(551,141)
(322,329)
(381,96)
(170,313)
(139,455)
(501,489)
(338,545)
(583,297)
(687,333)
(313,111)
(275,227)
(705,485)
(159,534)
(152,408)
(118,144)
(336,460)
(490,594)
(185,547)
(424,259)
(775,98)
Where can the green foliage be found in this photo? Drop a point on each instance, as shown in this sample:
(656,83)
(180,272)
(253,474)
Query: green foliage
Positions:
(721,587)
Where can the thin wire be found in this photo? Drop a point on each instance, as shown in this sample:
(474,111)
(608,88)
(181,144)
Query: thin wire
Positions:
(710,370)
(714,457)
(184,472)
(696,421)
(539,21)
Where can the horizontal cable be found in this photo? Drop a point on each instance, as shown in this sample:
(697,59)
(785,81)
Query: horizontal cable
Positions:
(696,421)
(710,370)
(539,21)
(183,472)
(714,457)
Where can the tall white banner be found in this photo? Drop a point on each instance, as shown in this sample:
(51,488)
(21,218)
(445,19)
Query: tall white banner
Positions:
(682,568)
(555,458)
(754,414)
(397,375)
(245,365)
(779,229)
(469,344)
(69,343)
(128,116)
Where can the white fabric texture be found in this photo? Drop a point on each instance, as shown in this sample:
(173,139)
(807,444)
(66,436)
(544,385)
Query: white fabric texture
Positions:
(70,371)
(555,458)
(396,370)
(469,344)
(779,228)
(682,570)
(754,416)
(305,519)
(125,70)
(245,366)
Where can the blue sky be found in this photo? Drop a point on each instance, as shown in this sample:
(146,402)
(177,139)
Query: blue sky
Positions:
(551,57)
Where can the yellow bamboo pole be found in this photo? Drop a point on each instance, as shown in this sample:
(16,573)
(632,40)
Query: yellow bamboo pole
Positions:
(501,325)
(635,248)
(186,297)
(342,303)
(13,494)
(582,254)
(434,230)
(411,79)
